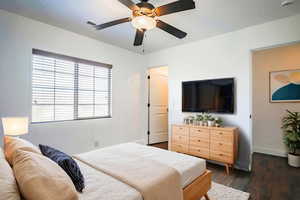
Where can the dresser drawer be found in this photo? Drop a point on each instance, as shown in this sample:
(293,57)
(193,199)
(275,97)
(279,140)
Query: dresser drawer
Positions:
(180,139)
(199,151)
(199,142)
(181,148)
(221,156)
(199,132)
(180,130)
(222,136)
(222,147)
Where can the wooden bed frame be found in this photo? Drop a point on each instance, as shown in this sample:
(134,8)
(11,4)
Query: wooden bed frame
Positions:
(198,188)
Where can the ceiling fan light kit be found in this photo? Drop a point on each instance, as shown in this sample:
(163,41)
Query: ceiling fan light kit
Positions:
(143,22)
(145,17)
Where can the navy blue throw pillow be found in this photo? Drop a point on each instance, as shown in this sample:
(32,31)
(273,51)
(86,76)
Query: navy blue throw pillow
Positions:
(67,163)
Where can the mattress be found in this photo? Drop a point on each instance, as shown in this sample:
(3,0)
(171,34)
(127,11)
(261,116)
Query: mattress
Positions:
(101,186)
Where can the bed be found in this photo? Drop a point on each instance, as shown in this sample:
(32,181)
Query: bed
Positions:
(127,171)
(195,178)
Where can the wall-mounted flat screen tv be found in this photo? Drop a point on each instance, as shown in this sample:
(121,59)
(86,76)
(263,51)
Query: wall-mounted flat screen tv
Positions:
(212,96)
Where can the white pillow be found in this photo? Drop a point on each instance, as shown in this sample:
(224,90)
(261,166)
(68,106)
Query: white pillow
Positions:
(9,188)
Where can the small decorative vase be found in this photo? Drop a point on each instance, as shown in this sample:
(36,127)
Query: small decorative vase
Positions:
(294,160)
(211,123)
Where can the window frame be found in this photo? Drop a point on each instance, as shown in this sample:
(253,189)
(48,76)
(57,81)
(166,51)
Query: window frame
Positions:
(77,62)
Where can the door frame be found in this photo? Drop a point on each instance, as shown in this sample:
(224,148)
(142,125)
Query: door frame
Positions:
(148,100)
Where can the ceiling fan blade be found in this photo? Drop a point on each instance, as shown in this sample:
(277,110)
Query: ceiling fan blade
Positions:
(139,37)
(170,29)
(174,7)
(113,23)
(129,4)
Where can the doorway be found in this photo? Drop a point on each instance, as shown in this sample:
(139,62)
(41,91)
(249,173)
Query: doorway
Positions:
(158,92)
(279,62)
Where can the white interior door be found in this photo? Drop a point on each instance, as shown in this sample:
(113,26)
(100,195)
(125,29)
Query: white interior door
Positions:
(158,100)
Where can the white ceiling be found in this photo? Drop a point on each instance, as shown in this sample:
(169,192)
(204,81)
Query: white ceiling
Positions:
(210,18)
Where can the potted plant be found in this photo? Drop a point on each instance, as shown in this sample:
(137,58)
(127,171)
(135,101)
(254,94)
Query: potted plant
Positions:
(208,119)
(192,120)
(211,121)
(218,122)
(291,136)
(199,119)
(186,120)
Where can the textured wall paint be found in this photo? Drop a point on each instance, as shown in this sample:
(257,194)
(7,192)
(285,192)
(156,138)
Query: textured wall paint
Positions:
(18,35)
(267,133)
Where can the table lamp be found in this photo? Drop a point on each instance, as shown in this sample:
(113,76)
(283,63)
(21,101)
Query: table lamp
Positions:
(15,126)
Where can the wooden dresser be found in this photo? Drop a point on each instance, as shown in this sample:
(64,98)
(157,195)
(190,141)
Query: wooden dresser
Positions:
(212,143)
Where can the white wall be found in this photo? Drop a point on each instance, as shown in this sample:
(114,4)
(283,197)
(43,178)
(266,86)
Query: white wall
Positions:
(18,35)
(227,55)
(267,133)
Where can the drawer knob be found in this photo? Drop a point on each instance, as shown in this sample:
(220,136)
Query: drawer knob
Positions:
(199,130)
(220,133)
(220,154)
(220,144)
(199,150)
(199,140)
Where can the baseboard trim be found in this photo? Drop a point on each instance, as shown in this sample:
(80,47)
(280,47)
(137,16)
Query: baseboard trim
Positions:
(268,151)
(158,138)
(242,166)
(142,141)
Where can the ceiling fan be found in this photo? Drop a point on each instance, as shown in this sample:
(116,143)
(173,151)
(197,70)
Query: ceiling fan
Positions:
(145,17)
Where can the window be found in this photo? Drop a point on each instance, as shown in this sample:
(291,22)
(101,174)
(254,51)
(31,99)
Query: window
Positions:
(67,88)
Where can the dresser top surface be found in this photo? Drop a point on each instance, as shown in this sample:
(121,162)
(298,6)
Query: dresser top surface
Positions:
(224,128)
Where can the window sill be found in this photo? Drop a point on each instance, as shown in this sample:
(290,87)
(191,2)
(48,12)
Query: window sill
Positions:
(72,120)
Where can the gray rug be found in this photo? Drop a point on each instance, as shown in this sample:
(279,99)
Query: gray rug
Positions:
(222,192)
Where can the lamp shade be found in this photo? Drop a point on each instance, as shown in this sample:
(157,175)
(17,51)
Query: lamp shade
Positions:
(15,126)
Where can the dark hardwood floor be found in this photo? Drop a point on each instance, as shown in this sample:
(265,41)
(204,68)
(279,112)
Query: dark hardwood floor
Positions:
(271,178)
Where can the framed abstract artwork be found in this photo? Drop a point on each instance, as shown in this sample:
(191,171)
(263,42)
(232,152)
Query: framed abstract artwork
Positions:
(285,86)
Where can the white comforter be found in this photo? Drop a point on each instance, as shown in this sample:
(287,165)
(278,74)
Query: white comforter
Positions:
(100,186)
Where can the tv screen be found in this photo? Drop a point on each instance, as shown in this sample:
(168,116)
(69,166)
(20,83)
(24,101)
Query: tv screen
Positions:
(212,96)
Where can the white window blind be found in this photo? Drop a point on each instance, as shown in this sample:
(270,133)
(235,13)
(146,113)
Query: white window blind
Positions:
(67,88)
